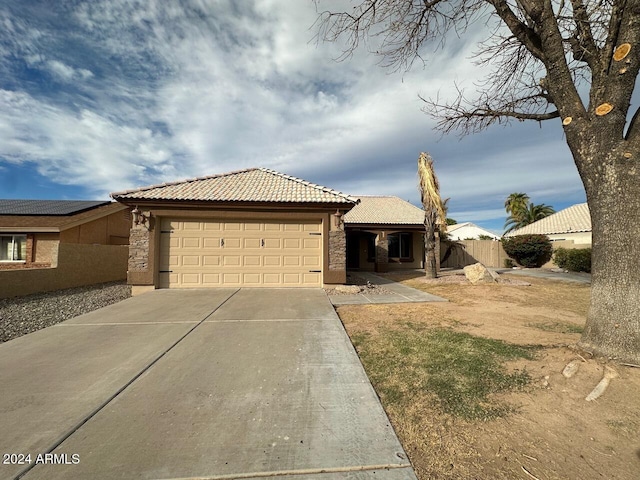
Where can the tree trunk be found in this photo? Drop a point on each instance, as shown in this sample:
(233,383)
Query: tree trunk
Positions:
(612,182)
(430,262)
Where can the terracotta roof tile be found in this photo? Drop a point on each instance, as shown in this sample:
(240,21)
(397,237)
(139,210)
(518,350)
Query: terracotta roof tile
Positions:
(384,210)
(251,185)
(573,219)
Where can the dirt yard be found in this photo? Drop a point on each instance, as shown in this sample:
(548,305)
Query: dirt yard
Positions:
(547,430)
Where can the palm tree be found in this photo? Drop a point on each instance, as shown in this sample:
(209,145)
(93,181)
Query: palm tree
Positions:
(435,211)
(532,213)
(516,203)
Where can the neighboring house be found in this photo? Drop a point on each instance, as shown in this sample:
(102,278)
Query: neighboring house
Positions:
(249,228)
(32,230)
(468,231)
(570,224)
(384,233)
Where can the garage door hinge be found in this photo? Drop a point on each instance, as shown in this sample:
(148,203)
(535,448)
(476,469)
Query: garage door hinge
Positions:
(315,271)
(165,271)
(315,233)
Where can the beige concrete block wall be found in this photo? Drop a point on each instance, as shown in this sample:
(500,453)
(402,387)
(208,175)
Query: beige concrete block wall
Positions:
(77,265)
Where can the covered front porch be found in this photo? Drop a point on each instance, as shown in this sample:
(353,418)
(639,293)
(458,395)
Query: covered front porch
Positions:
(384,249)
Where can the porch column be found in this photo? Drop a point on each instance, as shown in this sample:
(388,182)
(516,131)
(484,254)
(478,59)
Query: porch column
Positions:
(382,252)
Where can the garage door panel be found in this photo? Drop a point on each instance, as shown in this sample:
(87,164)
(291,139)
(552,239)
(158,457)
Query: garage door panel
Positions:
(311,243)
(272,243)
(213,253)
(291,243)
(251,260)
(291,261)
(212,226)
(191,260)
(191,279)
(192,226)
(232,242)
(252,227)
(231,278)
(272,279)
(211,260)
(251,243)
(191,242)
(310,278)
(211,242)
(271,260)
(231,260)
(211,279)
(311,261)
(251,279)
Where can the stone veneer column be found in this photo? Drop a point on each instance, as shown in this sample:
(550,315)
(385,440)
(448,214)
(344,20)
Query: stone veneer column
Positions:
(139,249)
(382,252)
(337,250)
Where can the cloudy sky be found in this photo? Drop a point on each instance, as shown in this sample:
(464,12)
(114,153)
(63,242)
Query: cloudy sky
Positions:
(103,95)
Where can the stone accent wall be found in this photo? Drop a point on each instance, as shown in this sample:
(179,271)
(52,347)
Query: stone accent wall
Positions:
(337,250)
(382,252)
(138,249)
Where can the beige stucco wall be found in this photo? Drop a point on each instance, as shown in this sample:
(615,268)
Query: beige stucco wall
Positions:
(110,230)
(583,239)
(77,265)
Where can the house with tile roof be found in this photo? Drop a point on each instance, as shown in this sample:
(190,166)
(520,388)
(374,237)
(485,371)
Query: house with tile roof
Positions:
(32,230)
(384,233)
(571,224)
(249,228)
(469,231)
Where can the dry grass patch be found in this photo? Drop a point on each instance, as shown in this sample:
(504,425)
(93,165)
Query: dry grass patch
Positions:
(474,386)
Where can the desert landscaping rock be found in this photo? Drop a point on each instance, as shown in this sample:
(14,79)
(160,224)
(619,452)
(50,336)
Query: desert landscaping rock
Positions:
(22,315)
(478,273)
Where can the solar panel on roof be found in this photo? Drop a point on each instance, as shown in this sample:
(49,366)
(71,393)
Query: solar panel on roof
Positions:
(48,207)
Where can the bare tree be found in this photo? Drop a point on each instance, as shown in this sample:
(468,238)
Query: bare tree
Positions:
(434,212)
(544,54)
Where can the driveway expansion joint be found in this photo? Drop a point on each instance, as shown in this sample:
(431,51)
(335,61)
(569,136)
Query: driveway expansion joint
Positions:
(306,471)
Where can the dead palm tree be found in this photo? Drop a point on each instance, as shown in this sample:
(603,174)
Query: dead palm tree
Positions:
(435,215)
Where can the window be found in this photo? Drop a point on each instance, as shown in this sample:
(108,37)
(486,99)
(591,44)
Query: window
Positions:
(13,248)
(400,245)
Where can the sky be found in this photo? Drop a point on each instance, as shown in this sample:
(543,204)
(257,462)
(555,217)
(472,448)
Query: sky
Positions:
(101,96)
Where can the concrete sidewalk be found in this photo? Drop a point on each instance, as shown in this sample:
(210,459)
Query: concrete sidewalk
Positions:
(577,277)
(245,384)
(399,293)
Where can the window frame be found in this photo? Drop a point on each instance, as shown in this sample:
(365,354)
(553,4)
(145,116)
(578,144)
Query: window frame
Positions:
(408,243)
(13,247)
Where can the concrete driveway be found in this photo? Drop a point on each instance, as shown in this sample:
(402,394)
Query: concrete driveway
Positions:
(185,384)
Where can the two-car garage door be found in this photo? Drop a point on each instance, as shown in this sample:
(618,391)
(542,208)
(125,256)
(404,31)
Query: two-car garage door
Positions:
(221,253)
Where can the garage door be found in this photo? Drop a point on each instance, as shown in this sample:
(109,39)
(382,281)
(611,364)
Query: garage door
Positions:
(215,253)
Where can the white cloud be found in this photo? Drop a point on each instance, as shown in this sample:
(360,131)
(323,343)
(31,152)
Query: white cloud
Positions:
(166,91)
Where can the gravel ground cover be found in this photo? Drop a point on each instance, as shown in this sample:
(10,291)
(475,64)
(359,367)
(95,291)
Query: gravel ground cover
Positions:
(22,315)
(366,287)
